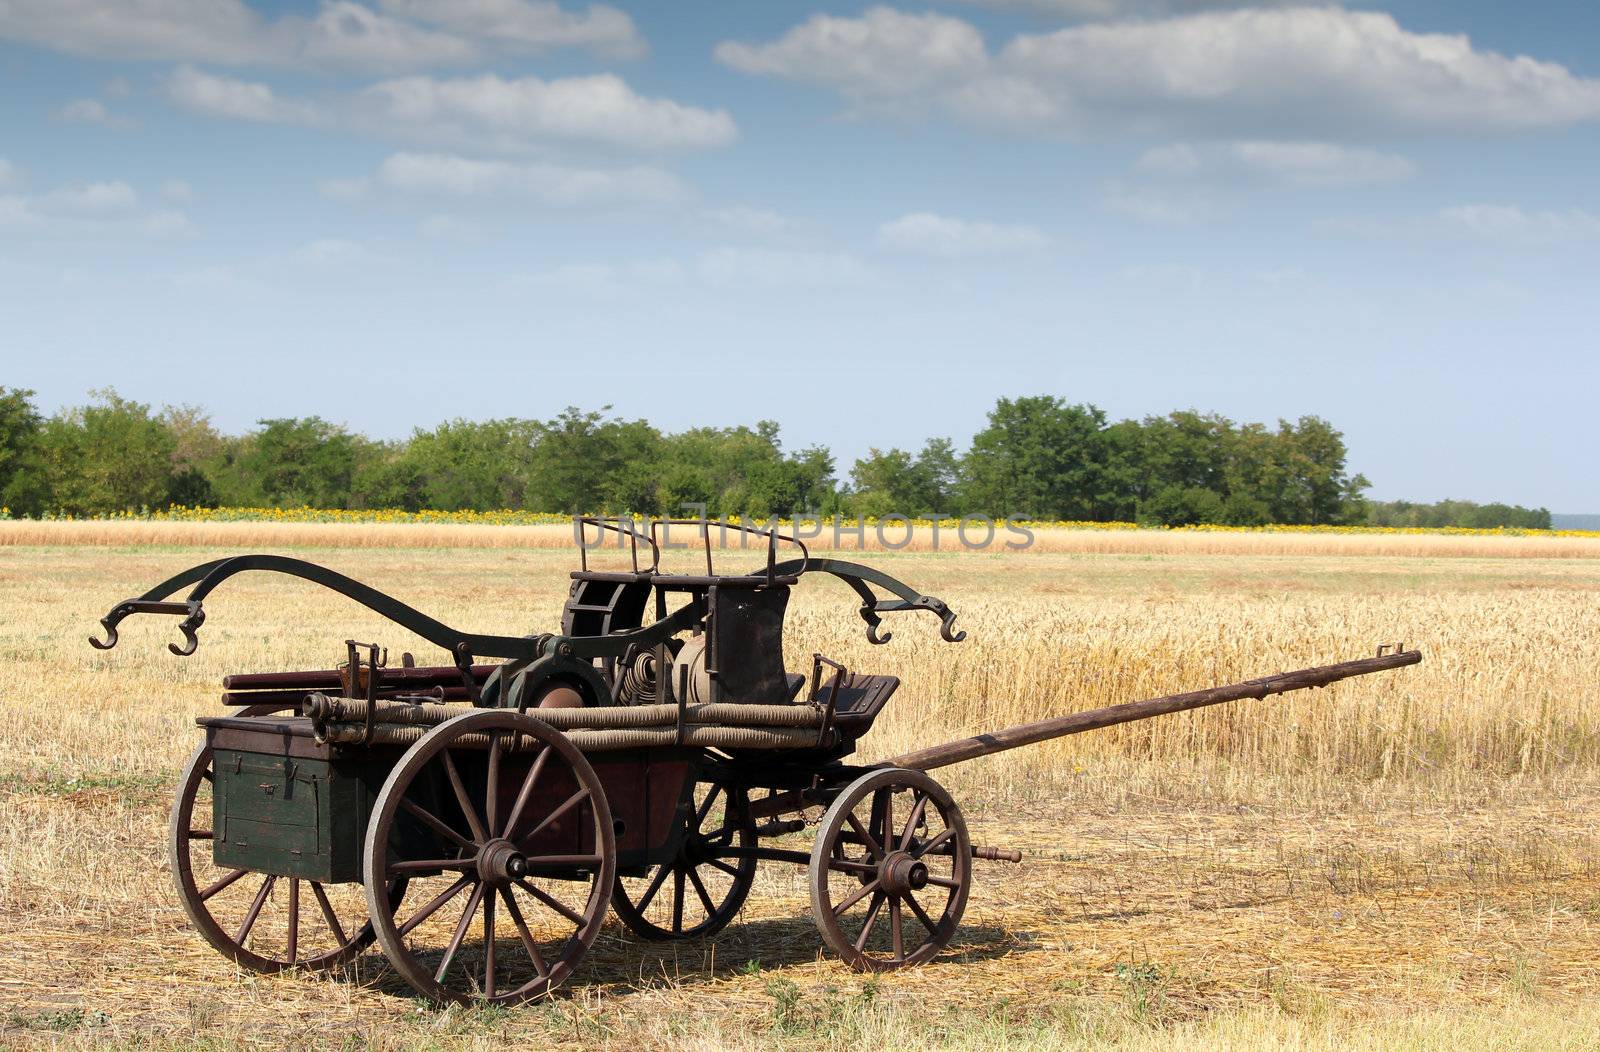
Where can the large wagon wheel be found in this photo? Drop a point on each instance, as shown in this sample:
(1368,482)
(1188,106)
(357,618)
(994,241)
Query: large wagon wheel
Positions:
(890,871)
(262,922)
(707,886)
(502,827)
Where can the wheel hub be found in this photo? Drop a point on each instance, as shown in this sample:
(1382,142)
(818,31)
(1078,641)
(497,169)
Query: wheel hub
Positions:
(500,862)
(900,873)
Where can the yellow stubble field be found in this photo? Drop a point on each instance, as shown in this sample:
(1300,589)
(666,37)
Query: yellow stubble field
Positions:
(1407,860)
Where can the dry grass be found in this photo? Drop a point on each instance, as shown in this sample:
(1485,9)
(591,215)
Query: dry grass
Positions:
(250,534)
(1404,861)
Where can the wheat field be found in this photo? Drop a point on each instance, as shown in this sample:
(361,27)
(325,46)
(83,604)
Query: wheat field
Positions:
(1406,860)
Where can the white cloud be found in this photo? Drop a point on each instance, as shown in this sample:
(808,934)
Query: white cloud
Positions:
(441,227)
(763,223)
(528,26)
(214,96)
(331,252)
(771,268)
(1251,73)
(176,190)
(11,177)
(727,267)
(340,35)
(85,111)
(1108,9)
(928,234)
(1514,223)
(346,190)
(512,113)
(1158,206)
(884,57)
(449,175)
(1302,164)
(109,208)
(91,198)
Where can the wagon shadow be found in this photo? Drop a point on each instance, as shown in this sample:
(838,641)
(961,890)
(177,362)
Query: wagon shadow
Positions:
(625,964)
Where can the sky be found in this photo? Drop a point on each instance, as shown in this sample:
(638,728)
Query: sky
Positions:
(865,222)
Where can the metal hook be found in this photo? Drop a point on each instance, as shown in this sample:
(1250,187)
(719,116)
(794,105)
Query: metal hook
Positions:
(109,625)
(947,625)
(873,624)
(191,641)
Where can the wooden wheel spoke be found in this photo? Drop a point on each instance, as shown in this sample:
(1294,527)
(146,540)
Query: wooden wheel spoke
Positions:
(918,809)
(845,865)
(255,910)
(934,844)
(922,915)
(200,834)
(294,920)
(208,776)
(524,934)
(553,903)
(327,913)
(702,893)
(944,882)
(461,932)
(705,806)
(525,793)
(566,805)
(870,888)
(435,823)
(435,904)
(462,799)
(649,895)
(677,899)
(488,938)
(717,863)
(221,882)
(869,920)
(563,860)
(491,797)
(720,836)
(867,838)
(428,865)
(895,932)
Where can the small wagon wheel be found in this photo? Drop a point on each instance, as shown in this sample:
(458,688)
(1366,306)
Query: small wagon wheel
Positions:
(708,884)
(262,922)
(890,870)
(502,827)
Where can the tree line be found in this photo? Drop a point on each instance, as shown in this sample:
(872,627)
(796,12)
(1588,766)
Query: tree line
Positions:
(1038,457)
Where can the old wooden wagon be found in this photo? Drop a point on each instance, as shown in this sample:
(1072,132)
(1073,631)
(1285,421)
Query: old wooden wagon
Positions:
(478,819)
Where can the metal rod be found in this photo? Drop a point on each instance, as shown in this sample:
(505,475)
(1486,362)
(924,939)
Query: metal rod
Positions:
(1030,733)
(329,679)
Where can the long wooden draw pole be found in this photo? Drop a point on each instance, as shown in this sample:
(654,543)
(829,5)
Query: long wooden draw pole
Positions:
(1093,719)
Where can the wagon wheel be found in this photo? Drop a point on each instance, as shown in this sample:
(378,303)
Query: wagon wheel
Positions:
(708,887)
(890,871)
(503,829)
(262,922)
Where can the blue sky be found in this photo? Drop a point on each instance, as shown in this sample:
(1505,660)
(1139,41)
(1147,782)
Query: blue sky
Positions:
(865,222)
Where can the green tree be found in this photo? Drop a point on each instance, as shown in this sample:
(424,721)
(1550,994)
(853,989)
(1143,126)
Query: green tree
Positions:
(468,464)
(895,481)
(1039,456)
(1315,488)
(24,486)
(107,457)
(298,461)
(586,462)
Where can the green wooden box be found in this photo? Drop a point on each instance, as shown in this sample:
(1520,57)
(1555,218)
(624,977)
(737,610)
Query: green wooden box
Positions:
(285,804)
